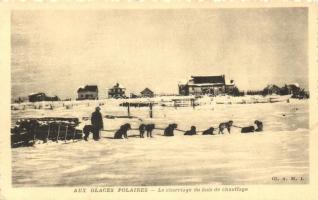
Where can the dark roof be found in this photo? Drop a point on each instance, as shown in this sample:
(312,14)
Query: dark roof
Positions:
(146,90)
(90,88)
(208,79)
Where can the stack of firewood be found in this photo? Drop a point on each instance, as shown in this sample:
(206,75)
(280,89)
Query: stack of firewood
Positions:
(29,130)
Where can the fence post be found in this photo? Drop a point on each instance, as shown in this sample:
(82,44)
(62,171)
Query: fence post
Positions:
(128,109)
(193,104)
(150,110)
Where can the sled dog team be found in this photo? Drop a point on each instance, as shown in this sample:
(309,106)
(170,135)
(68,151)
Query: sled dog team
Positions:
(169,130)
(97,126)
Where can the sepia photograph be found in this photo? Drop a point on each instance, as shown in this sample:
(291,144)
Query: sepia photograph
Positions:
(159,97)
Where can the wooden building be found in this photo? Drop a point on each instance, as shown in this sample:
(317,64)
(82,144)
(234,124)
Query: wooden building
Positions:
(87,92)
(117,91)
(271,89)
(206,85)
(147,93)
(40,96)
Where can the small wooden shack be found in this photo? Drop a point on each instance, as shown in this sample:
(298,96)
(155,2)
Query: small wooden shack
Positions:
(147,93)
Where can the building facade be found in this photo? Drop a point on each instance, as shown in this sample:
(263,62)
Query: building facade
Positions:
(117,91)
(87,92)
(206,85)
(41,97)
(147,93)
(271,89)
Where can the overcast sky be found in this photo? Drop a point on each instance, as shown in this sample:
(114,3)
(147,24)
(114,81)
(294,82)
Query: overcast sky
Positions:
(58,51)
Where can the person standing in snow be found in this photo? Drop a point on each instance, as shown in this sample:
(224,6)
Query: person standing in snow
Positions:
(97,123)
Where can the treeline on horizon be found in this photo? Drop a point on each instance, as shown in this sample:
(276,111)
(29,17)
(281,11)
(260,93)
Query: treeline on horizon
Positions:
(295,91)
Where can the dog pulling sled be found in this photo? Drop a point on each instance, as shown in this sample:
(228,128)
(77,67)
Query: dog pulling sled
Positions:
(28,131)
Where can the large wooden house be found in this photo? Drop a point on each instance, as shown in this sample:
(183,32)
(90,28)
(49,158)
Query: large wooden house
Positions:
(87,92)
(206,85)
(40,96)
(117,91)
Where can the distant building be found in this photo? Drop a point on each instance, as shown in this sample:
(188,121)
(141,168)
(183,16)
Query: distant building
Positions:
(87,92)
(41,97)
(230,87)
(201,85)
(271,89)
(117,91)
(147,93)
(296,91)
(293,88)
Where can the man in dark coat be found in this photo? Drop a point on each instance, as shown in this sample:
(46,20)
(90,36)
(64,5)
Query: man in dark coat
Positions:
(97,123)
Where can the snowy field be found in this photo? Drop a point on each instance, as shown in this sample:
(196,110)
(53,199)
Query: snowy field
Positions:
(281,150)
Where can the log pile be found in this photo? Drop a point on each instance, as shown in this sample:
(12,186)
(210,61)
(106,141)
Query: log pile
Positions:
(135,104)
(29,130)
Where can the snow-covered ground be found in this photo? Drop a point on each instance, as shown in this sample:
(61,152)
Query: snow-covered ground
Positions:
(281,150)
